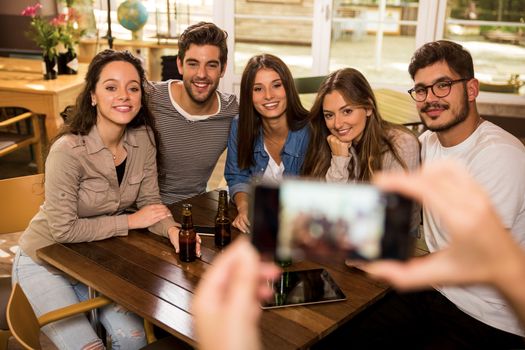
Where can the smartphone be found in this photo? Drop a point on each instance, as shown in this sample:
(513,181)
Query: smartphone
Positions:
(309,218)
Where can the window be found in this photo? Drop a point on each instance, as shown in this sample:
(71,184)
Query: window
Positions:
(166,19)
(375,37)
(493,32)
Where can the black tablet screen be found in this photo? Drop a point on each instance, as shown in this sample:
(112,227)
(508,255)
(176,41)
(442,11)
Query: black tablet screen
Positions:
(304,287)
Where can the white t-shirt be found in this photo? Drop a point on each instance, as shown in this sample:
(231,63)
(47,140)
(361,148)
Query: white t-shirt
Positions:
(274,172)
(496,159)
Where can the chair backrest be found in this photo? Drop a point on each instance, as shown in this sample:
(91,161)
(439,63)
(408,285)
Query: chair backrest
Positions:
(5,291)
(308,85)
(10,142)
(22,320)
(21,198)
(169,68)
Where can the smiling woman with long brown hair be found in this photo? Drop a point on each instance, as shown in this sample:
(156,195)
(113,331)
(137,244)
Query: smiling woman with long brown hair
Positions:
(350,141)
(270,136)
(101,182)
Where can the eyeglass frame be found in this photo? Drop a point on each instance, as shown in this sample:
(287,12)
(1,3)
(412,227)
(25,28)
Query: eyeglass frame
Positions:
(431,86)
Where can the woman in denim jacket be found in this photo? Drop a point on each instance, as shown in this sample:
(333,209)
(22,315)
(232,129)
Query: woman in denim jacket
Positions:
(270,136)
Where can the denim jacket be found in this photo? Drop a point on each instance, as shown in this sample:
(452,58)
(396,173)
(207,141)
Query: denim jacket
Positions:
(292,156)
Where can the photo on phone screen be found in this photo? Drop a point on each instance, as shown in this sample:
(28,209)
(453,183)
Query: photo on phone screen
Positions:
(325,219)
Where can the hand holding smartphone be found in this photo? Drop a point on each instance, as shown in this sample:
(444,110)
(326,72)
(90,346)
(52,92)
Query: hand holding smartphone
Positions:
(308,218)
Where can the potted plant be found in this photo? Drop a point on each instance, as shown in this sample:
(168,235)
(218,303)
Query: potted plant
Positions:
(46,36)
(67,24)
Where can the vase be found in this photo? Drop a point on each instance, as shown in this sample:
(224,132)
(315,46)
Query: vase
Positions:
(67,62)
(49,67)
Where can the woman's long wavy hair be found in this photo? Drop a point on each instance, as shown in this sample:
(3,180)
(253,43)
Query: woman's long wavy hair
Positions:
(250,119)
(376,140)
(83,116)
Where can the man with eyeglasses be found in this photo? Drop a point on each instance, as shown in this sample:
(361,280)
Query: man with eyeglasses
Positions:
(477,317)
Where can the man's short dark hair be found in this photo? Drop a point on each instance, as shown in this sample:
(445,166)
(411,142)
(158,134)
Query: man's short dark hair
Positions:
(204,33)
(458,59)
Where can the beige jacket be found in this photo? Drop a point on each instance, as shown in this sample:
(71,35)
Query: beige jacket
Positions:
(83,200)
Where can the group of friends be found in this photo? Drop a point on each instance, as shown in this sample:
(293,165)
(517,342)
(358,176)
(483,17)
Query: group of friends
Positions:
(131,147)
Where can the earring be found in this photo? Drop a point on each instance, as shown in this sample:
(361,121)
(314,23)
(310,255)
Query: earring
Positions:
(93,103)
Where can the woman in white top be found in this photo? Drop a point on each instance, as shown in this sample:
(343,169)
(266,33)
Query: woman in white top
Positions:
(270,135)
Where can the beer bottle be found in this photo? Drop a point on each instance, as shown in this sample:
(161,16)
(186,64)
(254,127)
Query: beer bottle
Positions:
(222,222)
(187,236)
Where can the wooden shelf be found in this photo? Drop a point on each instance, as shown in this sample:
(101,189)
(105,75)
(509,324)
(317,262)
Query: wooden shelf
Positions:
(150,49)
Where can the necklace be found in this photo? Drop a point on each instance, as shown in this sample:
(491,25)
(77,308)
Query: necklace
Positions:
(115,154)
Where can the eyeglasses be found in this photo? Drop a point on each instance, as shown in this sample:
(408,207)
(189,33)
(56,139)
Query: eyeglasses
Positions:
(439,89)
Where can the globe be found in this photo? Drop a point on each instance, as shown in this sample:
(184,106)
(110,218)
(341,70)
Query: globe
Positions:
(132,15)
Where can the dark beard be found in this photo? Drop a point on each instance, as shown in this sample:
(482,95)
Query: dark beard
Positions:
(458,118)
(201,101)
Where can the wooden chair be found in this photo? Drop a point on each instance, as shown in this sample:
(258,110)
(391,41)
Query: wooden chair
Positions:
(10,141)
(5,289)
(21,198)
(24,324)
(308,85)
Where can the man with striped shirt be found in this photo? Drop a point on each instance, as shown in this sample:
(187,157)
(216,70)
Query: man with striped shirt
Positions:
(192,117)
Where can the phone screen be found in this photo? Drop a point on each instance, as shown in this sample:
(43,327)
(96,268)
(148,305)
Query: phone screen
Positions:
(302,217)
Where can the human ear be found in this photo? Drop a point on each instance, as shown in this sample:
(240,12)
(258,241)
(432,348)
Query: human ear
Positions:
(223,69)
(179,64)
(472,89)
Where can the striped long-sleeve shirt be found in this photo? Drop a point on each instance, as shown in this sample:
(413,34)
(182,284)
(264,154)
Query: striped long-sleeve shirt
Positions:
(189,148)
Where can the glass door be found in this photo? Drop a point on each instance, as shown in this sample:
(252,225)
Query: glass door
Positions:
(280,27)
(377,37)
(494,33)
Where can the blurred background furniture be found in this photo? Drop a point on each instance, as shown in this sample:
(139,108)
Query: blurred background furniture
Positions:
(307,88)
(5,290)
(169,68)
(399,108)
(308,85)
(22,84)
(150,51)
(21,130)
(21,198)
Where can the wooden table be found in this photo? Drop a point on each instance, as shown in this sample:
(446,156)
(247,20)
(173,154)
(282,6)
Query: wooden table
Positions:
(397,107)
(142,273)
(22,85)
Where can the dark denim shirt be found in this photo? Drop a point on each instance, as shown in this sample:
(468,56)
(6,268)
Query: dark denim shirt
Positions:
(292,156)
